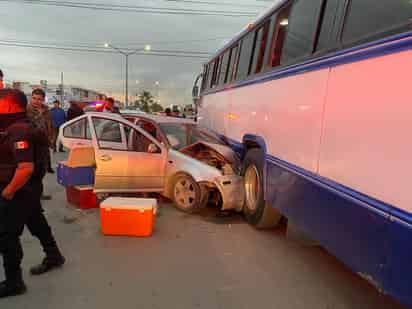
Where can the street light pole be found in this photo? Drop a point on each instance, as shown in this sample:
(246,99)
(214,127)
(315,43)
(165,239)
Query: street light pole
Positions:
(127,81)
(147,48)
(157,90)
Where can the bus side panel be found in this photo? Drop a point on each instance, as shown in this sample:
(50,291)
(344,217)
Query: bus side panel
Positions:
(399,269)
(368,119)
(287,112)
(213,112)
(365,146)
(343,226)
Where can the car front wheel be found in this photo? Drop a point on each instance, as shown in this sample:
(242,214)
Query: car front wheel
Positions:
(187,194)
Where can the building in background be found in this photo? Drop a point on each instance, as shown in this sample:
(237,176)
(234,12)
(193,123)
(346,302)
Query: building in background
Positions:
(22,86)
(54,91)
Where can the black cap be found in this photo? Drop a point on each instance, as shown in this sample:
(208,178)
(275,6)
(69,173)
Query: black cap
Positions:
(1,74)
(13,96)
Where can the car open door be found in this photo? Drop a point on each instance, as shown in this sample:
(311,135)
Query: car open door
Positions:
(76,133)
(127,158)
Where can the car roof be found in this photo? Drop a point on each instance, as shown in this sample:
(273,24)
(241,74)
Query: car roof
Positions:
(160,119)
(132,112)
(114,115)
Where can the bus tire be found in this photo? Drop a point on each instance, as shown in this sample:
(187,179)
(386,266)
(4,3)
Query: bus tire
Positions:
(256,211)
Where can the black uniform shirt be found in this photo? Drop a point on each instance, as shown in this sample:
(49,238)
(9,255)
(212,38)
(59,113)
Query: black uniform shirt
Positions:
(16,146)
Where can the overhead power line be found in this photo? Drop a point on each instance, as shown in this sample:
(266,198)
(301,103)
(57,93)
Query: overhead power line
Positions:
(113,5)
(135,9)
(219,3)
(98,47)
(121,45)
(160,53)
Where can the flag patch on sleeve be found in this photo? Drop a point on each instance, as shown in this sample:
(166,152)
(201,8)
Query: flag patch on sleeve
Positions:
(20,145)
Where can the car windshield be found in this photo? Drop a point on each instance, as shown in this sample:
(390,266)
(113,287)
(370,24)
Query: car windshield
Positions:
(181,135)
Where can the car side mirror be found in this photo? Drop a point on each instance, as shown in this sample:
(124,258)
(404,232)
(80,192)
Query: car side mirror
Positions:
(152,148)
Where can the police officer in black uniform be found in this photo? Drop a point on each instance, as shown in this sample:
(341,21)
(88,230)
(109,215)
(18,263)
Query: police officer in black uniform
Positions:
(20,186)
(16,186)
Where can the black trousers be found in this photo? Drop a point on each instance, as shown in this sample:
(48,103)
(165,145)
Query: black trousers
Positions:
(24,209)
(48,160)
(39,227)
(14,215)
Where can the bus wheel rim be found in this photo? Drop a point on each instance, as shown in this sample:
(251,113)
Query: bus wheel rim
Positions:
(252,187)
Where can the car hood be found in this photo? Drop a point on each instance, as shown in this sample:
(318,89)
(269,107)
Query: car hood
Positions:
(213,154)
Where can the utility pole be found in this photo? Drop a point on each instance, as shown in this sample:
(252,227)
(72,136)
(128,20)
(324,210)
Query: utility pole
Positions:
(147,48)
(62,90)
(127,81)
(157,91)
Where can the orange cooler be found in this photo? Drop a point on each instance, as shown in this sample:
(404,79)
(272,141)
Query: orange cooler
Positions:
(127,216)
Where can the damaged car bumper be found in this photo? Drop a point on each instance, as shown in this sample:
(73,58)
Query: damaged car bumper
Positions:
(232,191)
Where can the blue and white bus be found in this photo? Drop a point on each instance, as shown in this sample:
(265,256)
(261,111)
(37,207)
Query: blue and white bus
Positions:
(316,95)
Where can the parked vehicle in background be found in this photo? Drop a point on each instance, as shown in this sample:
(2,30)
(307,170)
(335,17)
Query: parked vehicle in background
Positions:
(175,111)
(189,111)
(93,106)
(132,112)
(167,155)
(315,96)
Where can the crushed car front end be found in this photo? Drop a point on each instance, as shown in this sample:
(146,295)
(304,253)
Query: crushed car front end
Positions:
(226,179)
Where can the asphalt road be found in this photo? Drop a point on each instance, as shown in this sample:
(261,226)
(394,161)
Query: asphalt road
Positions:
(190,262)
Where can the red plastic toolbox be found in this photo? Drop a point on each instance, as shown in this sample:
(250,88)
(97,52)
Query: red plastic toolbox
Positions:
(82,196)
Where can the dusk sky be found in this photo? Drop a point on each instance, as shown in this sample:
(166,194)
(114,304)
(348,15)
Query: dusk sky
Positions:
(68,27)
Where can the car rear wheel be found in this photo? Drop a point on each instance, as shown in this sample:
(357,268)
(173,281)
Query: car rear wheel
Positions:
(187,194)
(256,210)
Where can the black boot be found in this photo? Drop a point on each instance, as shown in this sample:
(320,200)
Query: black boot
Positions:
(54,259)
(13,285)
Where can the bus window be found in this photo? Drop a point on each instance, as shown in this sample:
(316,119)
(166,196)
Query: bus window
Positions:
(260,47)
(279,35)
(204,78)
(224,68)
(215,74)
(383,17)
(268,47)
(302,26)
(245,56)
(328,31)
(210,74)
(233,62)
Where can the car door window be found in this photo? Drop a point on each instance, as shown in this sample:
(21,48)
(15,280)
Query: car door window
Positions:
(149,128)
(137,142)
(108,133)
(79,130)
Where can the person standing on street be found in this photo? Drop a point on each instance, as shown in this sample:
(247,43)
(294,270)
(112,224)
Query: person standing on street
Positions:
(168,112)
(20,205)
(1,80)
(109,106)
(58,117)
(39,114)
(16,186)
(74,111)
(37,223)
(20,181)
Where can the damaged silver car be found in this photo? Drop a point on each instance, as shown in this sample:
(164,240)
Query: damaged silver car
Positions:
(171,156)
